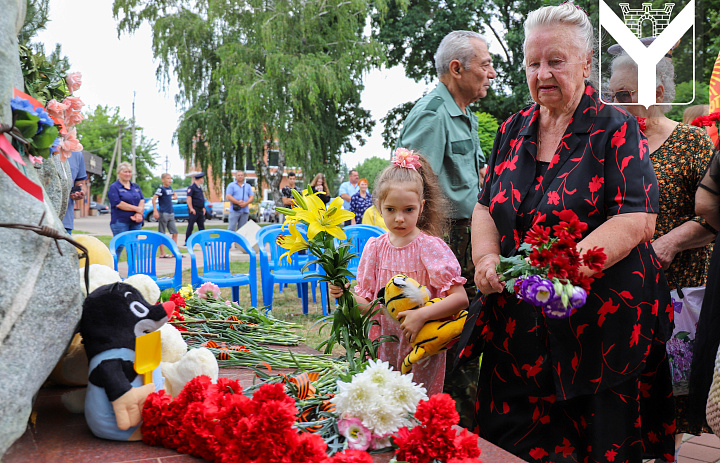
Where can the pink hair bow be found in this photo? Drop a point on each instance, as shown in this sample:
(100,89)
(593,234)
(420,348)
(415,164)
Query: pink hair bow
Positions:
(406,158)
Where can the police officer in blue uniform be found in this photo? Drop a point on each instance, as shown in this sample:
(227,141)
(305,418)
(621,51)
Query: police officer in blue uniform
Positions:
(196,205)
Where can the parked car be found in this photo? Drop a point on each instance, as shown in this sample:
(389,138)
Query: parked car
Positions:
(267,212)
(217,210)
(101,208)
(179,207)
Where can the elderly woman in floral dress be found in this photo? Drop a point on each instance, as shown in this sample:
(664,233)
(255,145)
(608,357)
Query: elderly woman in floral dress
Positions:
(594,386)
(680,154)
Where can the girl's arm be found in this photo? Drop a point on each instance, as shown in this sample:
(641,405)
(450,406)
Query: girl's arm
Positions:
(413,320)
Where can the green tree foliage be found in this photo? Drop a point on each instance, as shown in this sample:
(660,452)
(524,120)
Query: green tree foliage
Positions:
(262,74)
(683,93)
(98,133)
(371,168)
(487,129)
(36,17)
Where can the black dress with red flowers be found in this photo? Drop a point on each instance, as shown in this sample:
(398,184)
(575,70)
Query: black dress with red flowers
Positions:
(594,386)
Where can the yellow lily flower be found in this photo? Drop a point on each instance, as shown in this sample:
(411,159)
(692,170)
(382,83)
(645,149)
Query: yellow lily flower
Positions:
(293,242)
(328,220)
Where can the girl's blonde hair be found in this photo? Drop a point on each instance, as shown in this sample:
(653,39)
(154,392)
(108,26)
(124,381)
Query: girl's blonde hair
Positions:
(693,112)
(424,182)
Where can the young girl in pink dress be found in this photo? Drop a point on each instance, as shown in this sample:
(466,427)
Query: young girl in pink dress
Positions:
(411,203)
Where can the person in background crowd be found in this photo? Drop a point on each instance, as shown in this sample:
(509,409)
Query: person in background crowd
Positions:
(373,217)
(240,195)
(707,337)
(445,130)
(164,212)
(360,201)
(196,205)
(594,386)
(287,196)
(347,189)
(680,154)
(320,186)
(78,175)
(127,203)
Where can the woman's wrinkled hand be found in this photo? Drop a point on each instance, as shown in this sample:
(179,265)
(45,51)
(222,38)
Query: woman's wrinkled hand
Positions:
(486,278)
(337,291)
(665,251)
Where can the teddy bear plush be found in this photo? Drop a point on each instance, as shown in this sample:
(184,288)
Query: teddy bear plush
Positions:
(403,293)
(180,365)
(113,317)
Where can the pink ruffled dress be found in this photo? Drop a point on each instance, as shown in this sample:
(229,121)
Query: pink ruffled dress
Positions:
(428,260)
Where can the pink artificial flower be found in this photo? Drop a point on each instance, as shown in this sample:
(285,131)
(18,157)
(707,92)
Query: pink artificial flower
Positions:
(74,103)
(211,288)
(74,81)
(56,109)
(74,118)
(68,144)
(358,436)
(406,158)
(35,159)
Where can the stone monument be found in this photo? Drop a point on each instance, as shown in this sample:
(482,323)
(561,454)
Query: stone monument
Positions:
(40,294)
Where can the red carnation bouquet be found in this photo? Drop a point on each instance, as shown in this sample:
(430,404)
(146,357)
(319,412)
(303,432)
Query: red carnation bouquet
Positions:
(219,423)
(706,121)
(435,438)
(546,271)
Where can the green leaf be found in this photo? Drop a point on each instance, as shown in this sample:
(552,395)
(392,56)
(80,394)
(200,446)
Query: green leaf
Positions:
(46,138)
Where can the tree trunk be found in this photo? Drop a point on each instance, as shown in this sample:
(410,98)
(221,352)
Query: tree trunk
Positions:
(273,179)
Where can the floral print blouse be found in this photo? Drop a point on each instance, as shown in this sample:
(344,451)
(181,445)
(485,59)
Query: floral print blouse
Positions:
(680,164)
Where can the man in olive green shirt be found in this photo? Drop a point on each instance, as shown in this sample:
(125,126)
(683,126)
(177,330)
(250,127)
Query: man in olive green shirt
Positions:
(445,131)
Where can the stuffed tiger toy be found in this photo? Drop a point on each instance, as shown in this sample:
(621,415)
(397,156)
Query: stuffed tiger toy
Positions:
(403,293)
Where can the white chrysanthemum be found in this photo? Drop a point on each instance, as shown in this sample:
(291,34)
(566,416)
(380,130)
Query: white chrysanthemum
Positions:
(381,418)
(404,393)
(353,398)
(379,372)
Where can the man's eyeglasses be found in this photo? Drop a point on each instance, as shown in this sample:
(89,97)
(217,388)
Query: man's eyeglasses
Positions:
(622,96)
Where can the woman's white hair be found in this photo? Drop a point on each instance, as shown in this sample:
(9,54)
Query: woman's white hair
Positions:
(456,45)
(664,75)
(567,14)
(124,165)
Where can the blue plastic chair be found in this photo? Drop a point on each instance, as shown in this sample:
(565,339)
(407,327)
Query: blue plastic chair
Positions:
(215,246)
(358,236)
(275,270)
(303,258)
(141,247)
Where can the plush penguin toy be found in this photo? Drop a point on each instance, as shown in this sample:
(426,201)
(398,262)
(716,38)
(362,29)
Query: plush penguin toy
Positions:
(113,316)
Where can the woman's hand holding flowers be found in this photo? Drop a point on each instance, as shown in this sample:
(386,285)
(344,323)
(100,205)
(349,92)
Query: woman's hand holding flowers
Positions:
(486,277)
